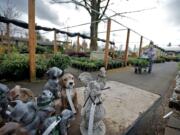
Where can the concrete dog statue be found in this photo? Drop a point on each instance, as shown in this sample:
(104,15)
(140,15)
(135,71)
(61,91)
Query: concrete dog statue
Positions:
(19,93)
(46,113)
(3,102)
(52,84)
(68,93)
(26,115)
(45,105)
(93,111)
(49,98)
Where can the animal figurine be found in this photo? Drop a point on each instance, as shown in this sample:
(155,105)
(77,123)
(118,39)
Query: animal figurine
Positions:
(52,84)
(3,103)
(68,93)
(13,128)
(19,93)
(26,115)
(57,124)
(45,105)
(93,111)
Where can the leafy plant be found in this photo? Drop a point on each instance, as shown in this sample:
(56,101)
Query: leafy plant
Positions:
(14,66)
(41,65)
(59,60)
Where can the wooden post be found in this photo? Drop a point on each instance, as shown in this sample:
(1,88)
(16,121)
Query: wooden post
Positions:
(32,39)
(55,42)
(8,37)
(127,45)
(106,53)
(140,46)
(78,44)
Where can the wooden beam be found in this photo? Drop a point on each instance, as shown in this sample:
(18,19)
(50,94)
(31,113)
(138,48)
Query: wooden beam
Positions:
(140,46)
(127,46)
(55,42)
(78,44)
(32,39)
(106,53)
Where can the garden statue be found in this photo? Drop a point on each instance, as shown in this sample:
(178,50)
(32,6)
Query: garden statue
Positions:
(3,102)
(52,84)
(26,115)
(93,111)
(57,124)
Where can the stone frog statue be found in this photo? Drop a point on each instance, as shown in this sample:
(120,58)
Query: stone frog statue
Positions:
(93,111)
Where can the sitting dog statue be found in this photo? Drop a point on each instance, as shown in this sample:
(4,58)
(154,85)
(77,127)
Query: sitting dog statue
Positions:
(45,105)
(19,93)
(46,113)
(93,111)
(26,115)
(3,103)
(68,93)
(52,84)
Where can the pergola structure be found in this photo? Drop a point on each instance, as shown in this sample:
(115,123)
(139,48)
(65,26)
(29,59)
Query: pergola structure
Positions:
(32,37)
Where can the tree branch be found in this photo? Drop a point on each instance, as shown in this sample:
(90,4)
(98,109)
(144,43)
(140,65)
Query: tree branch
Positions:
(86,6)
(57,1)
(104,10)
(79,3)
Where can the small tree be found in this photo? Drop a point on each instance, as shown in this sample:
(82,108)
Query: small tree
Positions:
(96,10)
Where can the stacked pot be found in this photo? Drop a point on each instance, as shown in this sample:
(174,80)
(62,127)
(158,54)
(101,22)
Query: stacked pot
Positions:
(175,99)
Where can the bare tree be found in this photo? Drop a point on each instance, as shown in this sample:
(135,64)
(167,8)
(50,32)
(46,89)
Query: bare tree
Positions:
(10,11)
(96,10)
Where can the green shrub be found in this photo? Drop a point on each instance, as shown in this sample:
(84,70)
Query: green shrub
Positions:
(41,65)
(14,66)
(114,64)
(59,60)
(40,49)
(140,62)
(23,49)
(86,64)
(131,61)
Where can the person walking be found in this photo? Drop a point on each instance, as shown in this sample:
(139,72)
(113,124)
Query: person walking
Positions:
(151,54)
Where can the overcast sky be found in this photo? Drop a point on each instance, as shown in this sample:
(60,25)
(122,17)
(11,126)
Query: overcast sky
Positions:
(160,24)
